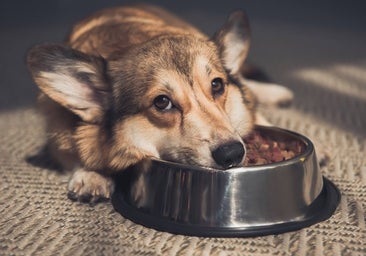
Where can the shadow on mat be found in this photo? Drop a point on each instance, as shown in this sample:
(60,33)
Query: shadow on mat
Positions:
(43,159)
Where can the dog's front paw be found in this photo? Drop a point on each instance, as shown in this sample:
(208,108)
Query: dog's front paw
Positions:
(89,186)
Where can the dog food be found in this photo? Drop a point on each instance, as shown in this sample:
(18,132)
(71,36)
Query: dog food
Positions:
(263,149)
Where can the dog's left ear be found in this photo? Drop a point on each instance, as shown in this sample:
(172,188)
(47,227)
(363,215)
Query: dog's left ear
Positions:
(75,80)
(233,41)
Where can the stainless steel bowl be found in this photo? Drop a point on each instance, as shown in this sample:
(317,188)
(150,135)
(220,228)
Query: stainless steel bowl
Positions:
(244,201)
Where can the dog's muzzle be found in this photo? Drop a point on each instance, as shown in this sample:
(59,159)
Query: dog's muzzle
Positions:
(229,154)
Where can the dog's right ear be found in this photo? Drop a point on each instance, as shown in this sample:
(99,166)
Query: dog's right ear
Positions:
(233,41)
(73,79)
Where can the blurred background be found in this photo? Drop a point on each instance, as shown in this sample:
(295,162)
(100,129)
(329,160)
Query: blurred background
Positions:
(290,40)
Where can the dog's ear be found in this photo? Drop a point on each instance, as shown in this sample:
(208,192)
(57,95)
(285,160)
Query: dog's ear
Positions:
(75,80)
(233,41)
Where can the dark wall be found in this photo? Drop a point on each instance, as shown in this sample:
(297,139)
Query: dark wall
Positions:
(25,23)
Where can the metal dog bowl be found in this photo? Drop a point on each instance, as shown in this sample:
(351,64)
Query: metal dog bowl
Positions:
(244,201)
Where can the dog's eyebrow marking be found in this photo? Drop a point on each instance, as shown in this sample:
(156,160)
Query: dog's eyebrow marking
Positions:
(208,69)
(205,66)
(167,85)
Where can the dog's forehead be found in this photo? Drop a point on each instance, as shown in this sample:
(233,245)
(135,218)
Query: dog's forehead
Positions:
(181,53)
(201,68)
(191,60)
(185,55)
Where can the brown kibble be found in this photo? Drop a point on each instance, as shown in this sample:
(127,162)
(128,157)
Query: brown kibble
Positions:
(262,149)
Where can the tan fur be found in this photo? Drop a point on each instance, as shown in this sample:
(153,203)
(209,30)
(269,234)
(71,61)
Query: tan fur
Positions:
(98,95)
(107,31)
(59,124)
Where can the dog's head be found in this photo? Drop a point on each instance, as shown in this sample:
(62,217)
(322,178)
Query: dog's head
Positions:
(174,97)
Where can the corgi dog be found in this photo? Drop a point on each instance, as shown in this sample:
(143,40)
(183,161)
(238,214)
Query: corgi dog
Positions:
(136,82)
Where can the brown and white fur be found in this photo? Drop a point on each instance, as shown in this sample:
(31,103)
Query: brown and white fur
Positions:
(136,82)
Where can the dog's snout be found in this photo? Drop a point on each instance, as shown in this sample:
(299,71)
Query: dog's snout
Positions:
(229,154)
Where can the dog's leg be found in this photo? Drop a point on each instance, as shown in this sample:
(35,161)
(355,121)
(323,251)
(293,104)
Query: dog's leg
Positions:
(89,186)
(269,93)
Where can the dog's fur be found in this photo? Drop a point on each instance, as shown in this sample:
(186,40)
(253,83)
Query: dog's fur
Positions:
(137,82)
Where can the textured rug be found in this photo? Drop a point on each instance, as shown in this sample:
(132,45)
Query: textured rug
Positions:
(329,81)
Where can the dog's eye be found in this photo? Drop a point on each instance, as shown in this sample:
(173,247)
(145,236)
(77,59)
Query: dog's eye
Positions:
(217,86)
(163,103)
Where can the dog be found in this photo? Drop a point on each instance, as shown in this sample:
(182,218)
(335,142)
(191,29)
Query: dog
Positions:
(136,82)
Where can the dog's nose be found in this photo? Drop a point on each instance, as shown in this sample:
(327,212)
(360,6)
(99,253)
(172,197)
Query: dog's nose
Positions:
(229,154)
